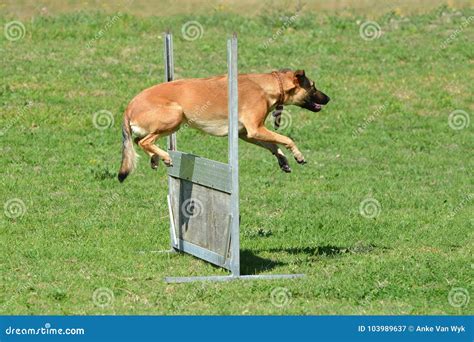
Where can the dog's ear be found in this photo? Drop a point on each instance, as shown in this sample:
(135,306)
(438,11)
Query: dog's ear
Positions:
(299,77)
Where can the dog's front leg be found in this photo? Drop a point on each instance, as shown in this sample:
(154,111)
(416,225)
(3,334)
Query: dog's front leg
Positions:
(263,134)
(273,148)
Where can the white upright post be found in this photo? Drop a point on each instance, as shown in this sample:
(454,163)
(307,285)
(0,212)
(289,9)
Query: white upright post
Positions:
(234,153)
(169,76)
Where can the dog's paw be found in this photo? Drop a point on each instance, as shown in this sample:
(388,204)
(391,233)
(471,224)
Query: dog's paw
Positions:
(283,163)
(154,162)
(300,160)
(168,162)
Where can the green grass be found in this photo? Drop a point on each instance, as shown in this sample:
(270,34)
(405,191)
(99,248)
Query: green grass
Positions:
(82,230)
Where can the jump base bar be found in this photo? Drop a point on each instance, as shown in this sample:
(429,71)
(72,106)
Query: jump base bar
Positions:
(231,278)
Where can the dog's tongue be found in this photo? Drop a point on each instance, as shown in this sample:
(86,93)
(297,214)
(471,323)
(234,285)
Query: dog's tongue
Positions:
(317,106)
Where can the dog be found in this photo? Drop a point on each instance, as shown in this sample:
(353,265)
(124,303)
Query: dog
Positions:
(202,104)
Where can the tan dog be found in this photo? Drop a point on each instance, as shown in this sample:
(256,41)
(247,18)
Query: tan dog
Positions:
(202,103)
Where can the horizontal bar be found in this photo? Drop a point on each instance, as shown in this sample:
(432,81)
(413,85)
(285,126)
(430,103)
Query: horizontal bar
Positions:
(201,253)
(231,278)
(271,276)
(206,172)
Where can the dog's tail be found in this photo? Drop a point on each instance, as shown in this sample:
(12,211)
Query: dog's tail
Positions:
(129,156)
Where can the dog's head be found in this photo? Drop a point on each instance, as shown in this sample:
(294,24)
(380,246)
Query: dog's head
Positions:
(305,94)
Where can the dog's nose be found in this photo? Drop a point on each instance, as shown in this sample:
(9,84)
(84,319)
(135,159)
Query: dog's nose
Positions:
(327,99)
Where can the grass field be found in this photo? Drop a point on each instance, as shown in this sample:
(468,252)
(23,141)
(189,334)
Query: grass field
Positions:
(380,219)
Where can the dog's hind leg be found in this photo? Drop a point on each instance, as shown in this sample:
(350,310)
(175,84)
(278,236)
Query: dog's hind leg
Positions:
(159,122)
(273,148)
(147,143)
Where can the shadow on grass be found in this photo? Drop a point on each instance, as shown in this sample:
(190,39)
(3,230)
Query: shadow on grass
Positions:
(314,251)
(251,263)
(328,250)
